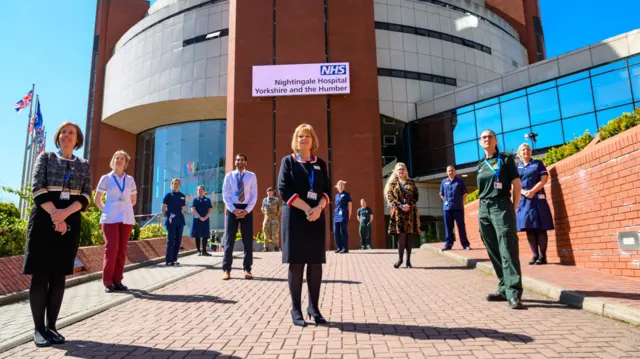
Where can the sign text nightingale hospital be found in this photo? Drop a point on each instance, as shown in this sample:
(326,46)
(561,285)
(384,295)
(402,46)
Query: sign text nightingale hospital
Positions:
(304,79)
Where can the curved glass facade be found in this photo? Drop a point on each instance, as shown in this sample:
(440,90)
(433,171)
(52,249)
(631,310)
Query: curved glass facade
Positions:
(558,111)
(194,152)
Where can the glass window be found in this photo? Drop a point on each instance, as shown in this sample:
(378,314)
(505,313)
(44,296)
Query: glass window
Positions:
(542,86)
(549,134)
(575,126)
(608,67)
(193,152)
(635,81)
(515,114)
(513,95)
(611,89)
(576,98)
(574,77)
(466,152)
(465,109)
(634,60)
(543,106)
(464,127)
(486,103)
(488,118)
(513,140)
(607,115)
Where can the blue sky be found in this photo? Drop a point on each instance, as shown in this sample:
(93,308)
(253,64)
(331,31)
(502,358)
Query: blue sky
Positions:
(49,43)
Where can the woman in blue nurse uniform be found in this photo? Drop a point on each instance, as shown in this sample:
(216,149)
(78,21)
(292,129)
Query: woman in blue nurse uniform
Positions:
(533,215)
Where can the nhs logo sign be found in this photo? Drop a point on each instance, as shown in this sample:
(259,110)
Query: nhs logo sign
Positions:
(334,69)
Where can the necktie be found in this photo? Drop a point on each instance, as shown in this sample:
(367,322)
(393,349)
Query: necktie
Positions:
(241,187)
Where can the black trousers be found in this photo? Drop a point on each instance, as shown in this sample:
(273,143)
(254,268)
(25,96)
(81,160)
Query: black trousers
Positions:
(246,227)
(538,240)
(405,241)
(314,281)
(45,298)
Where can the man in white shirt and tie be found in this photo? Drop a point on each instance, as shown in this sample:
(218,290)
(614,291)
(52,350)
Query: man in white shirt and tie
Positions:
(240,194)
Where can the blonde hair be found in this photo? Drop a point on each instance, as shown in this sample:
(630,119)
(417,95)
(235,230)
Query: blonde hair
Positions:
(393,178)
(340,182)
(79,135)
(520,149)
(112,164)
(304,128)
(176,180)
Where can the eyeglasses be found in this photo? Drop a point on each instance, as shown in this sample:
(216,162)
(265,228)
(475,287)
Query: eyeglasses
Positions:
(487,137)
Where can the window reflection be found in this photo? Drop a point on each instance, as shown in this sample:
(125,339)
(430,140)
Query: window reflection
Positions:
(515,114)
(576,98)
(193,152)
(465,127)
(543,106)
(575,126)
(466,152)
(489,118)
(635,81)
(549,134)
(607,115)
(513,140)
(611,89)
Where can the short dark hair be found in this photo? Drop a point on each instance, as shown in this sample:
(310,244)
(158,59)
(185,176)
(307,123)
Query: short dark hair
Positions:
(79,135)
(269,189)
(241,154)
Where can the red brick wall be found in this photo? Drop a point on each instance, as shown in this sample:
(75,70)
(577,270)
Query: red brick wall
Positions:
(593,195)
(12,280)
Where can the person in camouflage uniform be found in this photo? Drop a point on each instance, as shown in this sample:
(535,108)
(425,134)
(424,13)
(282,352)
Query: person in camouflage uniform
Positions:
(271,207)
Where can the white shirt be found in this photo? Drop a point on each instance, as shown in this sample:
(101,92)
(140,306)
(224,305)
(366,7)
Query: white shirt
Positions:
(116,210)
(230,190)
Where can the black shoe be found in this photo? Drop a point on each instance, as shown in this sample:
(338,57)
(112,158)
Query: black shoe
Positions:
(338,250)
(176,263)
(446,249)
(515,303)
(169,264)
(496,297)
(297,319)
(467,248)
(318,318)
(110,289)
(533,260)
(397,264)
(55,337)
(120,287)
(542,260)
(344,251)
(41,340)
(409,265)
(199,254)
(206,254)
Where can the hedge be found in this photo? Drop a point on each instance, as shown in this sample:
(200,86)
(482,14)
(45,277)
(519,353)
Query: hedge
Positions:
(620,124)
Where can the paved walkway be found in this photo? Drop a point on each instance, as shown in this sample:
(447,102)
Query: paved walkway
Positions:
(434,310)
(89,298)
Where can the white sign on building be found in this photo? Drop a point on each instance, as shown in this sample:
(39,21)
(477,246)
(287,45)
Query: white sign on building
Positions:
(303,79)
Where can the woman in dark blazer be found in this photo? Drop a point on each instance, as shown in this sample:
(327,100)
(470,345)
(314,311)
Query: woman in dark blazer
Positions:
(61,187)
(304,186)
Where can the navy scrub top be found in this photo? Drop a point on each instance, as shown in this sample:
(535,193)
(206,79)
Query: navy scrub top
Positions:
(452,191)
(174,201)
(341,212)
(533,213)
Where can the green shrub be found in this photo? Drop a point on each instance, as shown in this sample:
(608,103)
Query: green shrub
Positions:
(572,147)
(13,232)
(620,124)
(10,210)
(135,234)
(152,231)
(472,196)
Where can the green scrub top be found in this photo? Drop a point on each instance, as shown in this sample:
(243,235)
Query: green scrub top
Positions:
(487,177)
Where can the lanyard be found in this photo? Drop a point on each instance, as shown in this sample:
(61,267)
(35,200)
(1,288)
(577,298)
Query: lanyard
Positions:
(124,179)
(312,174)
(66,178)
(495,171)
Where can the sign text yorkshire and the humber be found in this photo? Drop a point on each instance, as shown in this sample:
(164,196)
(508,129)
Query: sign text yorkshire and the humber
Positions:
(304,79)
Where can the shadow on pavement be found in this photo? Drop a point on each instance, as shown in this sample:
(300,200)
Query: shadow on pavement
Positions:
(89,349)
(445,268)
(328,281)
(605,294)
(545,304)
(193,298)
(430,333)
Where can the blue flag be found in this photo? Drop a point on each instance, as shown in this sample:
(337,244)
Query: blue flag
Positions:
(38,117)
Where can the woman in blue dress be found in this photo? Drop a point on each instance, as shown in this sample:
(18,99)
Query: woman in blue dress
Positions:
(341,217)
(173,212)
(534,215)
(201,208)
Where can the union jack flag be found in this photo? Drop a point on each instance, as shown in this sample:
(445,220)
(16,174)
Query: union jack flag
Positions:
(24,102)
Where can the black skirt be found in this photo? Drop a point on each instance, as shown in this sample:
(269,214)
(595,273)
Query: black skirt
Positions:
(303,242)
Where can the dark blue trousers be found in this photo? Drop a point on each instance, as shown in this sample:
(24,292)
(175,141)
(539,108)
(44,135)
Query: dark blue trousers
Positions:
(450,216)
(246,227)
(174,236)
(341,234)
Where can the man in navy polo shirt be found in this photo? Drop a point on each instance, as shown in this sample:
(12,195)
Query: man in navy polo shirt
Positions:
(453,192)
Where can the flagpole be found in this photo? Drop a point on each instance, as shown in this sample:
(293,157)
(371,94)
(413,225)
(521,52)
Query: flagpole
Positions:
(23,205)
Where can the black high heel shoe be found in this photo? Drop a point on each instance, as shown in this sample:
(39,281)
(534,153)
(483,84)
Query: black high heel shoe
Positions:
(397,264)
(533,260)
(41,340)
(409,265)
(297,319)
(55,337)
(318,318)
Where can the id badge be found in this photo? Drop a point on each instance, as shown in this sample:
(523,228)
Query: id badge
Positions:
(542,196)
(312,195)
(497,185)
(65,195)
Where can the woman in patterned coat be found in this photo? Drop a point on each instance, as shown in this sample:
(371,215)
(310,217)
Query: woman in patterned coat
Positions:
(402,197)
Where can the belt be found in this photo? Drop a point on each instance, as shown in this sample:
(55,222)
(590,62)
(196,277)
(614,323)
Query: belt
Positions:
(272,215)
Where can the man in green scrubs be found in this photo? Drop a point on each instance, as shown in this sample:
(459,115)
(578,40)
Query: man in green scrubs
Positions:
(499,193)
